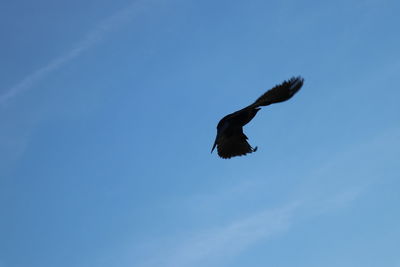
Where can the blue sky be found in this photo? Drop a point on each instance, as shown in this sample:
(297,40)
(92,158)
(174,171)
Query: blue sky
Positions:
(108,112)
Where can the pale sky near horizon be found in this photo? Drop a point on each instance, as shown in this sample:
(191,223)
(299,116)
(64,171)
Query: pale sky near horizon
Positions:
(108,112)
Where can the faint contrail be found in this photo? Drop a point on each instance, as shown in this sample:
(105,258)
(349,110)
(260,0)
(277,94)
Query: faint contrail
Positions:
(106,26)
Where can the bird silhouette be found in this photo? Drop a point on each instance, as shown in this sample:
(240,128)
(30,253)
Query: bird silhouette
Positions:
(230,140)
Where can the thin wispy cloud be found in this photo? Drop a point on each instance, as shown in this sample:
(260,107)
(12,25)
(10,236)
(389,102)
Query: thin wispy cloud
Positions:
(216,246)
(99,33)
(222,242)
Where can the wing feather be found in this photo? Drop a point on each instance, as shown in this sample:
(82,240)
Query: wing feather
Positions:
(280,92)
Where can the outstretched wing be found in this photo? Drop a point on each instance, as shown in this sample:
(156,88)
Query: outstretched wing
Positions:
(234,145)
(280,92)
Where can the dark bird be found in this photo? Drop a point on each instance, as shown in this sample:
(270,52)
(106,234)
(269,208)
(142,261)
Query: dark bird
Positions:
(230,140)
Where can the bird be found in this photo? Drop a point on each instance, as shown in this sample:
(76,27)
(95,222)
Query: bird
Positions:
(230,140)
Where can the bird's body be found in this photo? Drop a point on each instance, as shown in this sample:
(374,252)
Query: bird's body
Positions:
(230,140)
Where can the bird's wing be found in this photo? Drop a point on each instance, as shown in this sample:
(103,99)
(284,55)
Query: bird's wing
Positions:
(280,92)
(234,145)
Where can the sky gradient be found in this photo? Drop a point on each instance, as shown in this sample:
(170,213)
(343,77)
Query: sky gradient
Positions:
(108,112)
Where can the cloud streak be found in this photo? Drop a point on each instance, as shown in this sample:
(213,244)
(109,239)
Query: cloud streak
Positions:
(105,27)
(215,247)
(232,238)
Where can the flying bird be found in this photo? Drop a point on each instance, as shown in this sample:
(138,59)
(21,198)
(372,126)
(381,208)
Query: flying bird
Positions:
(230,140)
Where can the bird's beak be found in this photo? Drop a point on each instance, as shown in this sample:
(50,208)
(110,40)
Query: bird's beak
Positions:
(215,144)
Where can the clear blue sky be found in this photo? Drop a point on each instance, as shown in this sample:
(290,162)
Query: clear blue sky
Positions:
(108,112)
